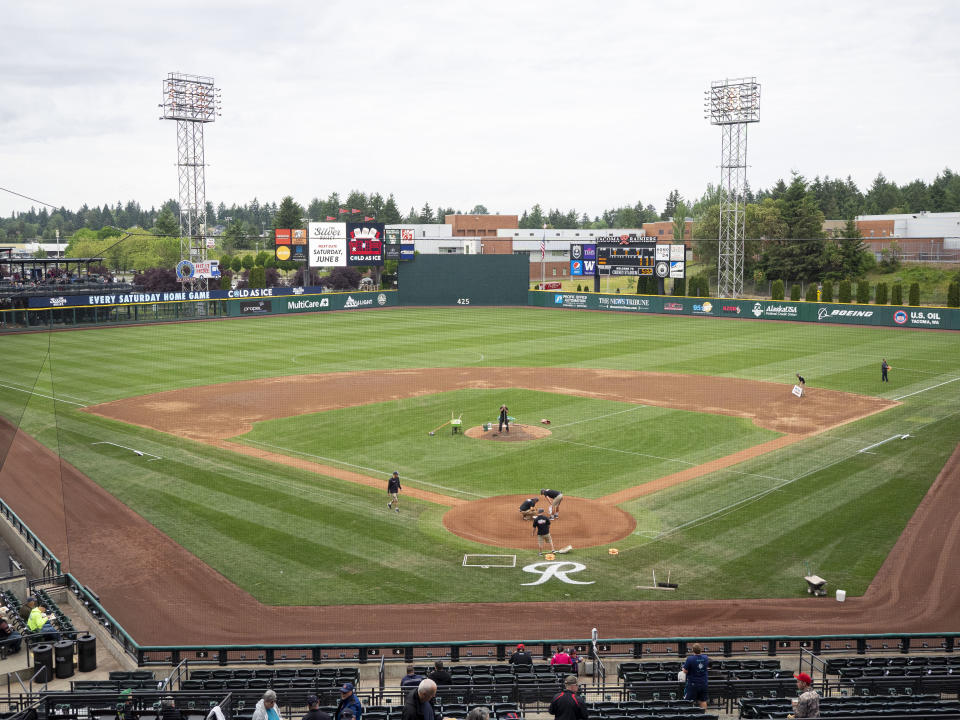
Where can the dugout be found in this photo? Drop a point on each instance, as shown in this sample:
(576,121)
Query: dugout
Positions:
(464,280)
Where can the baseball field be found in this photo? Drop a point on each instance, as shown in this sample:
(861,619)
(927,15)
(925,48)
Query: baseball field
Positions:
(262,446)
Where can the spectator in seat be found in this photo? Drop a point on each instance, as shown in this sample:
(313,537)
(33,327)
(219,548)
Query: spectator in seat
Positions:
(314,712)
(440,675)
(410,679)
(349,702)
(521,656)
(561,658)
(807,705)
(39,622)
(168,709)
(126,711)
(417,705)
(575,661)
(479,713)
(9,637)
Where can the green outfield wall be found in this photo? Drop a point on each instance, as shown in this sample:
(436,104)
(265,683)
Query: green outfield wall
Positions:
(52,312)
(930,318)
(465,280)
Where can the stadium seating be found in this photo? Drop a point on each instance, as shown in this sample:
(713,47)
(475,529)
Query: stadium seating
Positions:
(59,619)
(902,674)
(867,706)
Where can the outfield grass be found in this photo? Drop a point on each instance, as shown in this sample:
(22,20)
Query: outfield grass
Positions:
(747,531)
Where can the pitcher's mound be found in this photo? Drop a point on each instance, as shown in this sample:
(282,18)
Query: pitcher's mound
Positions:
(518,433)
(496,521)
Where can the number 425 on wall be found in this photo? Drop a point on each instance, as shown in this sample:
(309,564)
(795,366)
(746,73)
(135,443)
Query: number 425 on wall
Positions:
(463,301)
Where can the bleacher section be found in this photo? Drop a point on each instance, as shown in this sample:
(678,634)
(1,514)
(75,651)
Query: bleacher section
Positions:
(503,683)
(902,674)
(856,707)
(652,710)
(729,680)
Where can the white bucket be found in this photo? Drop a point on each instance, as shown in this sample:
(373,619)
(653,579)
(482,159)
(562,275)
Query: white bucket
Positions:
(841,595)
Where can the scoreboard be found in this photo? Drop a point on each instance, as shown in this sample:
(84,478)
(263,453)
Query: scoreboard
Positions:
(626,255)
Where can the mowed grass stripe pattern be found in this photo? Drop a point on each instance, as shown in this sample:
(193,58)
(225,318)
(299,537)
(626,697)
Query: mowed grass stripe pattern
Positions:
(744,531)
(595,448)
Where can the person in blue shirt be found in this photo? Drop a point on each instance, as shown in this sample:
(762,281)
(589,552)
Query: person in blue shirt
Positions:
(695,668)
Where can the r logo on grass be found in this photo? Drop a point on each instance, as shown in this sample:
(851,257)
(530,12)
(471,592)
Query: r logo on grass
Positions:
(558,570)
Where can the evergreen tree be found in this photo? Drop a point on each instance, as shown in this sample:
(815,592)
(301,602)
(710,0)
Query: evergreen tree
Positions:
(390,213)
(289,214)
(167,224)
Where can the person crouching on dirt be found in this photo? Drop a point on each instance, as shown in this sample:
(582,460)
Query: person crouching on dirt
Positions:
(528,510)
(504,418)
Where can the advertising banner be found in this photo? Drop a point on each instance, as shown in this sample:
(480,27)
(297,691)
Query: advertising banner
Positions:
(391,249)
(256,307)
(187,270)
(796,311)
(327,244)
(298,244)
(365,244)
(282,243)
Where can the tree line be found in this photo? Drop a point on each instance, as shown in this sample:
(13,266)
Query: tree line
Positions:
(243,224)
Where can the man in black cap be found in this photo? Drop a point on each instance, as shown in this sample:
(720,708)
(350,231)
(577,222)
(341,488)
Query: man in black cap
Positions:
(314,712)
(521,656)
(566,705)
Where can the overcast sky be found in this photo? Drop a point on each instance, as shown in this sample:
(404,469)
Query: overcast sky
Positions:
(584,105)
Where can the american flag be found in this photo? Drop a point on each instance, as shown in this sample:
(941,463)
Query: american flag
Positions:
(543,249)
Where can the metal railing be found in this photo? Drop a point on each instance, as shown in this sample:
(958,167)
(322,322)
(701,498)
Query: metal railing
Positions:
(35,543)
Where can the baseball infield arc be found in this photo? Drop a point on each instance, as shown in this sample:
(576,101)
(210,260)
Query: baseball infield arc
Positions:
(496,521)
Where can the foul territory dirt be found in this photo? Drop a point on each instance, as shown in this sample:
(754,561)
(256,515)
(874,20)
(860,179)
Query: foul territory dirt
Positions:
(162,594)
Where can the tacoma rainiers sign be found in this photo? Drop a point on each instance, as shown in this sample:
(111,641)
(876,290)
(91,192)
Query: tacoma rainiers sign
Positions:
(628,254)
(365,244)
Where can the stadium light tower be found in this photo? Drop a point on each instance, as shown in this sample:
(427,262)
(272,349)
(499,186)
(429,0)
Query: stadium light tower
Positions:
(193,101)
(732,104)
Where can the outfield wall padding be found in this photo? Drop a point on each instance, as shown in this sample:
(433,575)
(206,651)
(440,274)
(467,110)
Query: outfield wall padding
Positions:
(935,318)
(465,280)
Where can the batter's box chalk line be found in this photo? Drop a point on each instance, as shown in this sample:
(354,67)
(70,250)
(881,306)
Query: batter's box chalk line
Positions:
(489,561)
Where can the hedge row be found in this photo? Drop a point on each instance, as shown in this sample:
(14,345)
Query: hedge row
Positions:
(845,293)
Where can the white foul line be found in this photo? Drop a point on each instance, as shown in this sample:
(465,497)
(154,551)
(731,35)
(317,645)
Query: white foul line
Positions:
(925,389)
(878,444)
(598,417)
(360,467)
(48,397)
(141,453)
